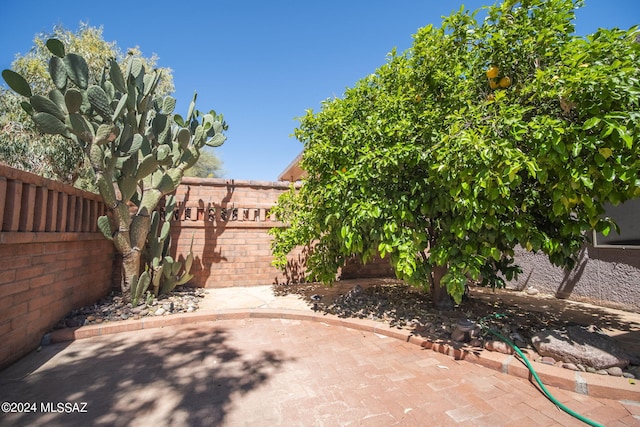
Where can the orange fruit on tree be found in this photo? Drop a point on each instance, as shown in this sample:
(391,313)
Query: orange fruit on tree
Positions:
(505,82)
(492,72)
(493,83)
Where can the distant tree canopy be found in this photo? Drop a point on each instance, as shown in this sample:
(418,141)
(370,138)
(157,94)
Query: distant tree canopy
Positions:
(52,156)
(208,166)
(482,136)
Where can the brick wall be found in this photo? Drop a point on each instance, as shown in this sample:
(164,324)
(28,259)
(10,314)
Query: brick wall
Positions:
(52,257)
(228,221)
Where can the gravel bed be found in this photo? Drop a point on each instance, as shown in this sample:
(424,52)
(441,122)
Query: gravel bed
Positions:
(112,309)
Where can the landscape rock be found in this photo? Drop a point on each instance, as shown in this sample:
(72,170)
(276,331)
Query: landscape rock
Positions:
(614,371)
(499,346)
(548,360)
(475,342)
(579,346)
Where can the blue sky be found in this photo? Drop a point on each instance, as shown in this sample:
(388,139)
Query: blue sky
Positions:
(261,64)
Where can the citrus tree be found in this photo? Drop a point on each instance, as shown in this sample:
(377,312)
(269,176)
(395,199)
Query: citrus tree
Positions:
(484,135)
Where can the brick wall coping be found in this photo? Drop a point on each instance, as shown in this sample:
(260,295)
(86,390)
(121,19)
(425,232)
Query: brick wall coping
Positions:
(30,178)
(212,182)
(19,237)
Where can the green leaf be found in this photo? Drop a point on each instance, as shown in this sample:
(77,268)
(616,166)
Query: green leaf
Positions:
(119,108)
(136,67)
(16,82)
(99,100)
(81,127)
(192,107)
(608,172)
(105,227)
(106,133)
(58,72)
(43,104)
(587,182)
(77,70)
(183,137)
(542,176)
(116,76)
(49,123)
(27,107)
(73,100)
(607,130)
(168,105)
(592,122)
(216,140)
(56,47)
(605,152)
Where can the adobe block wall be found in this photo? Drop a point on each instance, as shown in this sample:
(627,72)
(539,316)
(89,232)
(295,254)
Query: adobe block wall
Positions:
(52,257)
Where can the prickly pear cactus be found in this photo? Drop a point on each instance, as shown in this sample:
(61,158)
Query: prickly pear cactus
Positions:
(165,272)
(138,147)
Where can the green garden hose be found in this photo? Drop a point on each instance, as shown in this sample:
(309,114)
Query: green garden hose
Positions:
(533,372)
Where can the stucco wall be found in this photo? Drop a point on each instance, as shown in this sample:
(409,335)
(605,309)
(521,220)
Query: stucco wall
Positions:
(603,276)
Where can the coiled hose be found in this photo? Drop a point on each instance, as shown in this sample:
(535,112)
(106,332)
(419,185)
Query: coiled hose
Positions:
(549,396)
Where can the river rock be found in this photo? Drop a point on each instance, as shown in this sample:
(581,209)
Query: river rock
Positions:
(578,345)
(614,371)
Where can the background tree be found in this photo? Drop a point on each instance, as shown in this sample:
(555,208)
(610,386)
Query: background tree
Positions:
(208,166)
(482,136)
(53,156)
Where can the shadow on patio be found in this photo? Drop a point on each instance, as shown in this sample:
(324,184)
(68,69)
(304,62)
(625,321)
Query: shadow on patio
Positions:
(169,377)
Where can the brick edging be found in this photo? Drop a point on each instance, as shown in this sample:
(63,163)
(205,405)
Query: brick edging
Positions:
(594,385)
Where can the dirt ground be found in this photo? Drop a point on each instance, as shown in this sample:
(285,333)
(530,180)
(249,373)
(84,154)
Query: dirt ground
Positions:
(390,300)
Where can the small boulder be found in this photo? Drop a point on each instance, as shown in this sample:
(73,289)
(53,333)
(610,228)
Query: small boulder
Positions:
(579,346)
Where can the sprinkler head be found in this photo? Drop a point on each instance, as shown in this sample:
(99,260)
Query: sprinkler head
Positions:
(316,299)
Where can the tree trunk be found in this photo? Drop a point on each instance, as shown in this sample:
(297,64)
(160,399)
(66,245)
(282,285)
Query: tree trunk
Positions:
(130,267)
(439,295)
